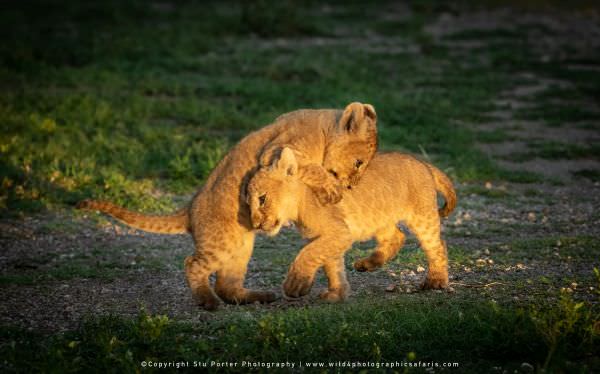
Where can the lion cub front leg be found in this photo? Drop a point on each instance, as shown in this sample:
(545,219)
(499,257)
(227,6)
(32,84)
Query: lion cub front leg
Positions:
(324,185)
(301,274)
(339,288)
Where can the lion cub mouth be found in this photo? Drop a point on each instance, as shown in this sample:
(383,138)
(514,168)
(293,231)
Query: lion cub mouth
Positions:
(271,229)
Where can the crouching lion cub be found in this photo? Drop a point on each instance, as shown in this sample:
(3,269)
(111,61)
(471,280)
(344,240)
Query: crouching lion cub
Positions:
(394,188)
(218,218)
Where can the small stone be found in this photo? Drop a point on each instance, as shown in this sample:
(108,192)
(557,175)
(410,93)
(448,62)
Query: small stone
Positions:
(420,269)
(486,251)
(574,285)
(480,262)
(467,216)
(527,366)
(544,219)
(467,269)
(531,217)
(390,288)
(490,261)
(488,185)
(450,289)
(521,266)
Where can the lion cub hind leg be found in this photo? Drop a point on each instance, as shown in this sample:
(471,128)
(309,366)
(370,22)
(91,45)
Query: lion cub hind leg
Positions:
(389,242)
(230,278)
(427,231)
(339,288)
(198,270)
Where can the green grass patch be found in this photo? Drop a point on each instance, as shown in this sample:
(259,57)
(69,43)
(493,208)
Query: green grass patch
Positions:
(593,175)
(494,136)
(578,247)
(558,115)
(553,150)
(410,328)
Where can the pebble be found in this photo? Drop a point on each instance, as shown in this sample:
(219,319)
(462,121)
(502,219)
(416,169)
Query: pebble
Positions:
(531,217)
(527,366)
(390,288)
(420,269)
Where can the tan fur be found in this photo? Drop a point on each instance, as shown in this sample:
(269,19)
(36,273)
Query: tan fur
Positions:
(176,223)
(218,217)
(394,188)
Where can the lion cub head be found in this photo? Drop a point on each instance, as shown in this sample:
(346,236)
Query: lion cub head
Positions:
(353,145)
(272,194)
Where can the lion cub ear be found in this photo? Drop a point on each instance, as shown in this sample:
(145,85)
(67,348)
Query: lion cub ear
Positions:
(353,118)
(287,163)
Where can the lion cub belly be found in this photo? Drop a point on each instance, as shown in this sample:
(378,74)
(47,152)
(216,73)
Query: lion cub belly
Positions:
(365,217)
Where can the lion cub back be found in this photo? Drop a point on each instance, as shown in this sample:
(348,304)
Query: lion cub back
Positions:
(395,187)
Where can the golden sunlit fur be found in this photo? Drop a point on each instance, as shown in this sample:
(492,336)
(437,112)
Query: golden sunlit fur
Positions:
(394,188)
(219,218)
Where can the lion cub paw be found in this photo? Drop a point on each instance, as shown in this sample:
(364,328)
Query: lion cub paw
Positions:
(365,264)
(334,296)
(265,297)
(207,303)
(435,282)
(330,194)
(296,285)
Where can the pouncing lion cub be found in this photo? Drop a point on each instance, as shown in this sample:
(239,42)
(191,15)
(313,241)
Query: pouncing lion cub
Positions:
(218,218)
(394,188)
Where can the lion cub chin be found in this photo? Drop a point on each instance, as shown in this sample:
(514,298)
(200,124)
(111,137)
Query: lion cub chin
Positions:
(394,188)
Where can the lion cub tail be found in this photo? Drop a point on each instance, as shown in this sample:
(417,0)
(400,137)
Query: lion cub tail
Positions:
(176,223)
(444,185)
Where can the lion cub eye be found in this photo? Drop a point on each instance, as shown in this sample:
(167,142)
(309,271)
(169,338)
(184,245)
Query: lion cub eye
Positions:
(358,163)
(262,199)
(332,172)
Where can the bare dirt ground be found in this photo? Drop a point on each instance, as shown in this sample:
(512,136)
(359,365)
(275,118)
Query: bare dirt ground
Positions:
(507,241)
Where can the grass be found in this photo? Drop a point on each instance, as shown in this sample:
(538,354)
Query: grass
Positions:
(553,150)
(426,329)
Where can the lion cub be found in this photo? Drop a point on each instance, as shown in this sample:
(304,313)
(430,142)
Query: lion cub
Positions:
(394,188)
(341,141)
